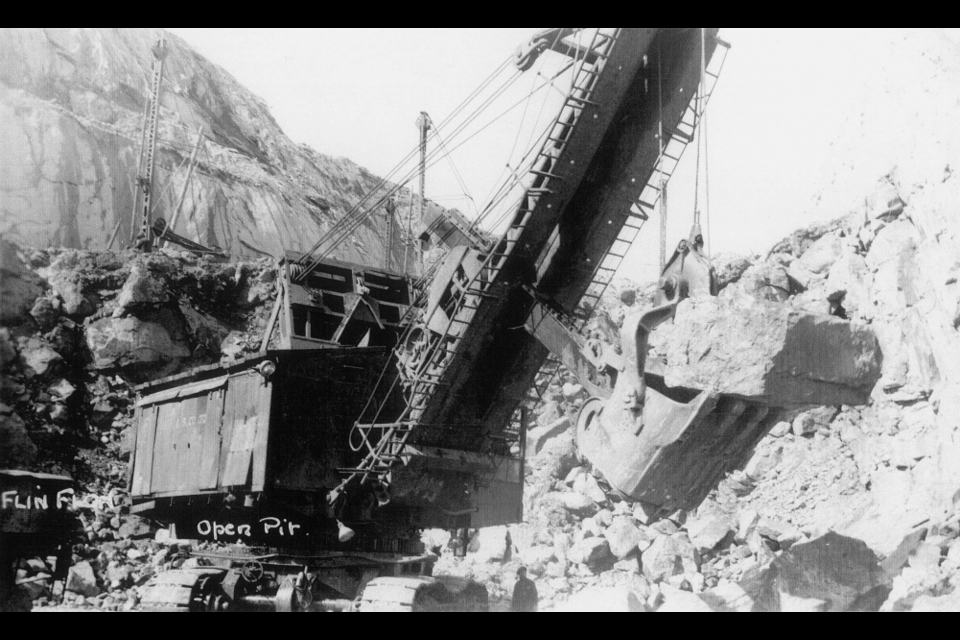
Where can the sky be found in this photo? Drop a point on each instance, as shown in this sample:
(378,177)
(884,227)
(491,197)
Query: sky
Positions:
(784,94)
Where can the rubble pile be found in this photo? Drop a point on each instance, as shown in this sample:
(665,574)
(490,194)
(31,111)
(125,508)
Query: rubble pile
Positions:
(79,330)
(840,507)
(92,325)
(109,571)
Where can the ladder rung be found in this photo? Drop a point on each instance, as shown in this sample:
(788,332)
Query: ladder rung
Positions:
(386,425)
(546,174)
(583,101)
(432,383)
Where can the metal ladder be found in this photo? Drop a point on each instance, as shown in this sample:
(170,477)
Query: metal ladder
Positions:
(646,203)
(145,180)
(441,352)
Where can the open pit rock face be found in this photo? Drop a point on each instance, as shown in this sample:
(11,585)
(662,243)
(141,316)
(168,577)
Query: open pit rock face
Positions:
(71,105)
(769,352)
(850,502)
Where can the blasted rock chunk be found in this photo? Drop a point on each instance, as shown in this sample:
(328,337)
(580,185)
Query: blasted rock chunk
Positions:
(141,287)
(729,268)
(82,580)
(590,551)
(821,255)
(763,281)
(833,568)
(158,339)
(624,537)
(37,357)
(669,556)
(709,529)
(19,286)
(16,447)
(769,353)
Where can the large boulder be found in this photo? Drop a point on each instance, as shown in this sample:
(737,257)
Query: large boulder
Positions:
(624,537)
(68,285)
(821,255)
(831,568)
(19,286)
(157,340)
(37,357)
(669,555)
(708,529)
(206,331)
(81,579)
(16,447)
(586,484)
(769,353)
(578,504)
(729,267)
(142,287)
(589,551)
(809,422)
(763,281)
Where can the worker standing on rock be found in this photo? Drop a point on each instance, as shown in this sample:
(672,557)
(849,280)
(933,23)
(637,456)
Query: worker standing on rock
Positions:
(525,595)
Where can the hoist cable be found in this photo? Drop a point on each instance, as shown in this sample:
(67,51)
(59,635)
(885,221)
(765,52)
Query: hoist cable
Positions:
(346,218)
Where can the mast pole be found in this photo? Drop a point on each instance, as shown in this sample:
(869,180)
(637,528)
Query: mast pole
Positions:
(423,122)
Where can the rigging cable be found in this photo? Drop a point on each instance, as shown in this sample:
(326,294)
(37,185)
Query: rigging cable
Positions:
(456,174)
(355,211)
(343,233)
(359,218)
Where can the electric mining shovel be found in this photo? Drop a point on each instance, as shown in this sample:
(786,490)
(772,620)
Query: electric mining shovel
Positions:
(665,447)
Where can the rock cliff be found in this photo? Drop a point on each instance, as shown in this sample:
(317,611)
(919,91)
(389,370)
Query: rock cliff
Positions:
(71,111)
